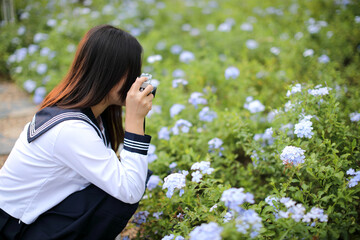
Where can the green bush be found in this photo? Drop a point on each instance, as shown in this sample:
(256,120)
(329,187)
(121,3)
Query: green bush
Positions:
(309,43)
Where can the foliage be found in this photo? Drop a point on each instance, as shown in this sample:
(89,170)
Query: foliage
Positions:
(271,46)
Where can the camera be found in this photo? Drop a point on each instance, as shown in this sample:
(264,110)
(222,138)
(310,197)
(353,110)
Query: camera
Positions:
(147,82)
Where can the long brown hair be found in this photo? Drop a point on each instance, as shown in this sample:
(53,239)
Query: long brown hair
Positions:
(105,55)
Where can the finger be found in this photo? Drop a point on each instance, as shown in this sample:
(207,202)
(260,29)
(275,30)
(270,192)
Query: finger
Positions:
(138,82)
(147,90)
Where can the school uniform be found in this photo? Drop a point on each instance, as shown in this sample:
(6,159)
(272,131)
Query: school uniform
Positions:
(62,180)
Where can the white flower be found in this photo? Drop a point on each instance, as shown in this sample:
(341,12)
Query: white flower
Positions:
(51,23)
(294,89)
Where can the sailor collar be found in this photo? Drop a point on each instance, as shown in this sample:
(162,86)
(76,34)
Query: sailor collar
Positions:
(48,117)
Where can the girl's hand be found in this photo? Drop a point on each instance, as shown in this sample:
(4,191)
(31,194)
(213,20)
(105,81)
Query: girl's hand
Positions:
(137,106)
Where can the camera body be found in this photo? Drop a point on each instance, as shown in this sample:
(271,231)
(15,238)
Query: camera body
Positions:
(147,82)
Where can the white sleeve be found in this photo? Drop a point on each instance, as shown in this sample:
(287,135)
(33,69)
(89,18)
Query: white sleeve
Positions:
(79,147)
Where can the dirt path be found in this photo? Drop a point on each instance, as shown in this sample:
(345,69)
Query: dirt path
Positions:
(16,109)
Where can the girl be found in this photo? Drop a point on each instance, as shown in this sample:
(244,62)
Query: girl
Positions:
(63,179)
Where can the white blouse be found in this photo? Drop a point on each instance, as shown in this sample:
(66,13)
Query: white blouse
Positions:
(65,159)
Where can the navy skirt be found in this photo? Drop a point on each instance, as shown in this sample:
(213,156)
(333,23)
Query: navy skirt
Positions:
(87,214)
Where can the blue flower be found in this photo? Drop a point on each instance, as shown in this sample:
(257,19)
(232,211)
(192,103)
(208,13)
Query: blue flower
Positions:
(248,27)
(254,106)
(215,144)
(234,197)
(39,95)
(206,115)
(29,85)
(176,49)
(153,182)
(196,98)
(319,91)
(196,176)
(174,181)
(172,165)
(354,117)
(176,82)
(151,153)
(232,72)
(251,44)
(41,68)
(292,155)
(157,214)
(168,237)
(323,59)
(176,109)
(355,180)
(178,73)
(294,89)
(249,220)
(140,217)
(308,53)
(154,58)
(186,57)
(164,133)
(304,128)
(181,125)
(206,231)
(154,109)
(275,50)
(203,166)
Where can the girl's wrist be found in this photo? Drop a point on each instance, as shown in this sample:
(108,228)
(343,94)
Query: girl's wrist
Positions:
(134,125)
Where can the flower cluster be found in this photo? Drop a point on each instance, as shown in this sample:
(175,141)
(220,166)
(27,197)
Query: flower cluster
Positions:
(354,117)
(181,125)
(297,212)
(206,231)
(215,145)
(202,167)
(234,197)
(253,106)
(249,221)
(164,133)
(153,182)
(140,217)
(304,128)
(292,155)
(196,99)
(173,181)
(186,57)
(266,137)
(356,179)
(232,72)
(294,89)
(207,115)
(319,91)
(171,237)
(179,81)
(151,153)
(176,109)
